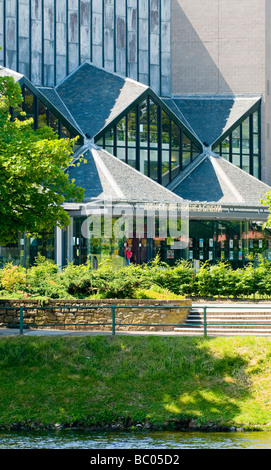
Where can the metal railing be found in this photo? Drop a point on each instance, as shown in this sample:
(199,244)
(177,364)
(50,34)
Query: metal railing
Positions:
(208,323)
(113,322)
(204,322)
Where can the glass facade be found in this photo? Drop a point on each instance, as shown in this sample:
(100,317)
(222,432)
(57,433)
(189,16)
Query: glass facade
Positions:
(242,146)
(148,139)
(236,242)
(224,240)
(42,115)
(26,249)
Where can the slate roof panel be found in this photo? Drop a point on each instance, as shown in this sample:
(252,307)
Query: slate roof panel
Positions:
(135,185)
(105,176)
(210,117)
(54,98)
(95,97)
(215,180)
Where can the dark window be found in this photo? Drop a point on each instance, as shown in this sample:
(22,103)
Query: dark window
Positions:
(150,141)
(242,146)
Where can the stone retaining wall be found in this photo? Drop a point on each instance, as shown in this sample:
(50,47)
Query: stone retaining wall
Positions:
(57,315)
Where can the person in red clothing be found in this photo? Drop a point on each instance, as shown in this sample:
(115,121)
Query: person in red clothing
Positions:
(128,256)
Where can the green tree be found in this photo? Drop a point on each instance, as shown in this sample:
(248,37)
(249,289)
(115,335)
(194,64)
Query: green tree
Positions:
(33,181)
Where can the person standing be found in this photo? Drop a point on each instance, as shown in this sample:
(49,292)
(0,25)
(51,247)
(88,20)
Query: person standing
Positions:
(128,256)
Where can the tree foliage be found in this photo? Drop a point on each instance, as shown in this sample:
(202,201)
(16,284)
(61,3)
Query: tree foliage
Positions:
(33,181)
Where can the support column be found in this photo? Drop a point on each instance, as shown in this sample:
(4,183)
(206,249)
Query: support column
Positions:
(59,248)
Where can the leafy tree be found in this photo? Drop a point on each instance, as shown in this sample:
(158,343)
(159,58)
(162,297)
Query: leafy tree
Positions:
(33,181)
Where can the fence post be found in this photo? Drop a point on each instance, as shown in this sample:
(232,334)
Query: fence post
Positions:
(21,320)
(113,320)
(205,321)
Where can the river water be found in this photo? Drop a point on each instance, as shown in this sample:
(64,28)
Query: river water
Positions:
(135,440)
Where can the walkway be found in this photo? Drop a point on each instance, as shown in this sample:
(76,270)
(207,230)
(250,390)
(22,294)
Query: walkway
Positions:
(242,318)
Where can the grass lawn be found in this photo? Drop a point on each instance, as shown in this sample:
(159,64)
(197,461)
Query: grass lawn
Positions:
(99,380)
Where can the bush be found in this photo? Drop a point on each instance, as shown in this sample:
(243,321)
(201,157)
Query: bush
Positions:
(135,281)
(42,279)
(13,278)
(156,292)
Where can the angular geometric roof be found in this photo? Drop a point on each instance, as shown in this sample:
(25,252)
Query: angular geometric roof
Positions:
(52,96)
(209,117)
(215,180)
(48,96)
(94,97)
(4,72)
(105,176)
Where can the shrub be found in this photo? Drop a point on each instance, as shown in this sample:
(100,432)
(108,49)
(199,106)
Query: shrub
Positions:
(42,279)
(156,292)
(13,277)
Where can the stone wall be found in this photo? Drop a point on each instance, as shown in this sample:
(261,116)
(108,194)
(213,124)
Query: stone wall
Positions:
(55,314)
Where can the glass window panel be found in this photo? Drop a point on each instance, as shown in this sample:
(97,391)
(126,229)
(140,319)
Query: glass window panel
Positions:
(256,172)
(195,151)
(28,102)
(245,136)
(175,163)
(131,128)
(165,167)
(186,159)
(225,146)
(153,120)
(42,114)
(53,121)
(77,146)
(256,121)
(64,132)
(109,137)
(131,158)
(109,149)
(175,136)
(154,164)
(143,162)
(236,160)
(217,149)
(186,153)
(236,140)
(100,142)
(121,153)
(143,123)
(245,163)
(255,143)
(226,156)
(175,150)
(165,130)
(121,132)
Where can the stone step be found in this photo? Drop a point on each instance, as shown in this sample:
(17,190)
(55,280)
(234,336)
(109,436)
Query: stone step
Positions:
(223,332)
(221,311)
(230,319)
(224,321)
(226,330)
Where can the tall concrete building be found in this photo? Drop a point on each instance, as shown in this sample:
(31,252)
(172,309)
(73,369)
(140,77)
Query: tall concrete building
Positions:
(171,100)
(221,48)
(210,58)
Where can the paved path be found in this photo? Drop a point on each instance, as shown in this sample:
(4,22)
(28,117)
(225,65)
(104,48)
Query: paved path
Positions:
(42,332)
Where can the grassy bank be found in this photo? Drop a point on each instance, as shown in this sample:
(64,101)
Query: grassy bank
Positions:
(97,381)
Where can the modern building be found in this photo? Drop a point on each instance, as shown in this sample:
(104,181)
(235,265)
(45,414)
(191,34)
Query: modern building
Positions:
(170,100)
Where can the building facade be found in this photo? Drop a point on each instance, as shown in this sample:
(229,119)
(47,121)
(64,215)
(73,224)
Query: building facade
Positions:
(170,100)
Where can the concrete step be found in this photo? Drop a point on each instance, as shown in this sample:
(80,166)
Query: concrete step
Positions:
(225,321)
(224,333)
(230,320)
